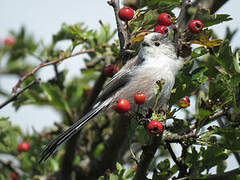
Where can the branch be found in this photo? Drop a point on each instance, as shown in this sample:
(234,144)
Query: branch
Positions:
(146,157)
(182,167)
(222,176)
(122,34)
(47,64)
(14,97)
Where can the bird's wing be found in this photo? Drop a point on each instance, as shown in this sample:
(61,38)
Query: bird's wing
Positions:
(120,79)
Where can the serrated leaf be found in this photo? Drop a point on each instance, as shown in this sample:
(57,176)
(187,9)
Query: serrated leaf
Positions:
(210,20)
(203,38)
(225,57)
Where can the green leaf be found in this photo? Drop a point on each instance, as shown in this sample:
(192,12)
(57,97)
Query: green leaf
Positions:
(101,178)
(161,5)
(221,167)
(55,97)
(225,57)
(113,177)
(129,174)
(236,62)
(210,20)
(120,169)
(235,80)
(199,51)
(164,165)
(197,74)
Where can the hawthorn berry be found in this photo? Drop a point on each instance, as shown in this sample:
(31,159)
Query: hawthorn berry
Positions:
(139,98)
(184,102)
(14,176)
(155,127)
(195,26)
(110,70)
(9,40)
(126,14)
(23,146)
(122,106)
(161,29)
(164,19)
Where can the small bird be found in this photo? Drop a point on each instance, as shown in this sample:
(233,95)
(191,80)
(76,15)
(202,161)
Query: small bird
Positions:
(156,60)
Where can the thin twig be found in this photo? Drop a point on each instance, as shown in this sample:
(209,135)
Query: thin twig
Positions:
(122,34)
(14,90)
(14,97)
(182,167)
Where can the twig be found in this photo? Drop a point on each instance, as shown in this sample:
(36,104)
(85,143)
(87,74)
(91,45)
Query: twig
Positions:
(47,64)
(123,35)
(146,157)
(182,167)
(14,97)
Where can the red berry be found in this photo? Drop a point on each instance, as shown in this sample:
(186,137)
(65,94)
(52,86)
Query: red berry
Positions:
(139,98)
(110,70)
(23,146)
(14,176)
(9,40)
(126,14)
(161,29)
(164,19)
(122,106)
(155,127)
(195,26)
(184,102)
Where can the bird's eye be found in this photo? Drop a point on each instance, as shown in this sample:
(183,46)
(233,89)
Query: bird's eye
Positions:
(157,44)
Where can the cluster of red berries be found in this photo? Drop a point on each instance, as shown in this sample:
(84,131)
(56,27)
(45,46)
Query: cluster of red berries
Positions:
(164,20)
(123,105)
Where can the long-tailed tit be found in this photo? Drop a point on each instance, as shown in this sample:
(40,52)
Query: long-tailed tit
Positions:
(156,60)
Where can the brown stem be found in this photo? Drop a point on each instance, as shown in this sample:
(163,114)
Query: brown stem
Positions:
(15,96)
(47,64)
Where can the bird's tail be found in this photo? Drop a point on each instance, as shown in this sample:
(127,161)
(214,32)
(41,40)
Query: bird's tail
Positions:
(55,143)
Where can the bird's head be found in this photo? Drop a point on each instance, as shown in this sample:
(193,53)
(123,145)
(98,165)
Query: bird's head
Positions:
(155,44)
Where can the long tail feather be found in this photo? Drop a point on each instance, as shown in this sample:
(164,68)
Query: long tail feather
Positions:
(55,143)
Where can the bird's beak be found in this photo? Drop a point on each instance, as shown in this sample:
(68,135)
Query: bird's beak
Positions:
(144,43)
